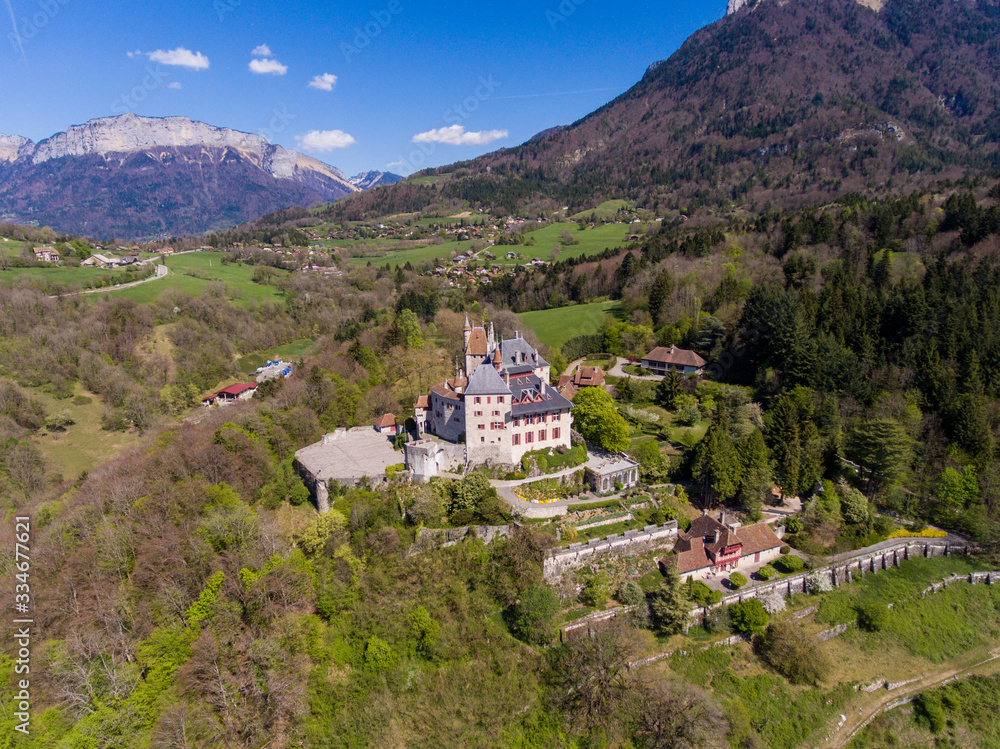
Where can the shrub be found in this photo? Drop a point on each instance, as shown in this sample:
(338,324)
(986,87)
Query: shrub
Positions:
(773,602)
(767,572)
(818,583)
(749,616)
(595,592)
(737,580)
(630,593)
(784,550)
(701,594)
(930,708)
(533,613)
(719,621)
(788,651)
(790,563)
(872,616)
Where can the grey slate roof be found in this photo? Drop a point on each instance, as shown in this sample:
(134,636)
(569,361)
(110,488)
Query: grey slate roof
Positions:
(553,400)
(510,349)
(486,381)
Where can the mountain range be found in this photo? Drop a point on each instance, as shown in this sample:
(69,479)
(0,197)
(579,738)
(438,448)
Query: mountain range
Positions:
(788,102)
(135,177)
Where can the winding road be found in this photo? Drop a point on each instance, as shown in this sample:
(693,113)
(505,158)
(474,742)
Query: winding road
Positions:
(161,272)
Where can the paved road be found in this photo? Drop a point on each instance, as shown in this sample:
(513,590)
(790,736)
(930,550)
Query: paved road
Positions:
(161,272)
(617,371)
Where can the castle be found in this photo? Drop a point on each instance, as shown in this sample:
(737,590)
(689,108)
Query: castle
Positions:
(501,404)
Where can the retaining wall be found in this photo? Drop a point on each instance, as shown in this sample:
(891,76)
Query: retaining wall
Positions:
(560,561)
(836,573)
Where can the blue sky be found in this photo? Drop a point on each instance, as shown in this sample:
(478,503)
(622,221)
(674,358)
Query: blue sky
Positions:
(395,85)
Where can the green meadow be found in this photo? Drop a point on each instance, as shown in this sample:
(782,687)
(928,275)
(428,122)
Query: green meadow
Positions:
(192,272)
(556,326)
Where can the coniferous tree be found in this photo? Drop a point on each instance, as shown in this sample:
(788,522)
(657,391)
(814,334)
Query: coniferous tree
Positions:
(670,606)
(717,466)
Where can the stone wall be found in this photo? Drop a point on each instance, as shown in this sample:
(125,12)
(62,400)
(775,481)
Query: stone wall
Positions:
(837,573)
(442,538)
(630,543)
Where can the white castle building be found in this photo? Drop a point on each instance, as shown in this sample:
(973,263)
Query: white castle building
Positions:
(502,405)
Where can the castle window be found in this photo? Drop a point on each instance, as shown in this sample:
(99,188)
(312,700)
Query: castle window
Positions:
(499,399)
(517,439)
(517,421)
(541,436)
(496,413)
(489,399)
(480,426)
(482,439)
(478,400)
(555,433)
(478,413)
(529,437)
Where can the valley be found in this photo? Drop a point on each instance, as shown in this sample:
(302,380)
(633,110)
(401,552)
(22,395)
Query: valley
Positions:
(675,426)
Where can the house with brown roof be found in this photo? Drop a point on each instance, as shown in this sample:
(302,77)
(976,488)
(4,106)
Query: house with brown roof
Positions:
(661,359)
(718,546)
(47,254)
(569,385)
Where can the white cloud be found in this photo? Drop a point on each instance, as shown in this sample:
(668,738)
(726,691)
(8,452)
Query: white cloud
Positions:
(181,57)
(173,84)
(323,82)
(261,50)
(134,54)
(324,140)
(455,135)
(393,164)
(268,65)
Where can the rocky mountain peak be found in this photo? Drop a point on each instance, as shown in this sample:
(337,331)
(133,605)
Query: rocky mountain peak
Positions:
(13,147)
(735,6)
(130,132)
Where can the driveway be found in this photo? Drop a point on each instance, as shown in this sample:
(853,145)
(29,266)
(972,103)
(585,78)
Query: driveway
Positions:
(617,371)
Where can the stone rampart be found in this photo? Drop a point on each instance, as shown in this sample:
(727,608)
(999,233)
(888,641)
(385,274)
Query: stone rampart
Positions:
(833,575)
(630,543)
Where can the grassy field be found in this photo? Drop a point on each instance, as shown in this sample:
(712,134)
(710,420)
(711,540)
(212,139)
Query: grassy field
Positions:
(556,326)
(547,239)
(208,267)
(10,247)
(607,209)
(289,352)
(84,445)
(54,275)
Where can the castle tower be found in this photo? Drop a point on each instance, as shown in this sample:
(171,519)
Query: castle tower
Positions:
(466,333)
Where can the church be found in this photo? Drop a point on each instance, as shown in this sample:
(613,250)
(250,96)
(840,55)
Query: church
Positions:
(500,403)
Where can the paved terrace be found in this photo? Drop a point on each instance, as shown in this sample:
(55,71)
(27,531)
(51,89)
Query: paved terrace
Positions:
(349,455)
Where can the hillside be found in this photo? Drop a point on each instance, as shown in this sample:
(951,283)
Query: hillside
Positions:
(792,102)
(138,177)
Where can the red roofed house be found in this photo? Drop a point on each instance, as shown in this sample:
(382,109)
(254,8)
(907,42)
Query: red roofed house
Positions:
(569,385)
(241,391)
(661,359)
(386,424)
(713,546)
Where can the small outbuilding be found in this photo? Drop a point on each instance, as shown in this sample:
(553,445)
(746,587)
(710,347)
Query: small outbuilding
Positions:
(386,424)
(239,391)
